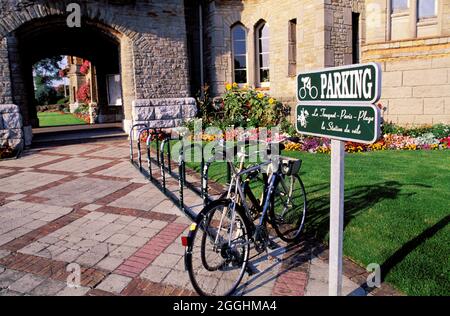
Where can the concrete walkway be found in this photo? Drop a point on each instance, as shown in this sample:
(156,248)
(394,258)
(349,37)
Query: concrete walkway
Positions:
(82,215)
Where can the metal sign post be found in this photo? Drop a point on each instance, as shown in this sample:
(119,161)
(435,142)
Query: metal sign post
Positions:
(336,217)
(337,103)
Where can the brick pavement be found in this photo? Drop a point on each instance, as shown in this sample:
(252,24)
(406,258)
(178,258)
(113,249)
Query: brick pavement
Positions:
(85,207)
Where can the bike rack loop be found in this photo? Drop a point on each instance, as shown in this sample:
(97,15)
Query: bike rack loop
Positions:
(145,126)
(161,162)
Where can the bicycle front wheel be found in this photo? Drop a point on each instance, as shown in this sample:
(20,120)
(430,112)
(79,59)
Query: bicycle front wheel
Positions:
(218,249)
(288,208)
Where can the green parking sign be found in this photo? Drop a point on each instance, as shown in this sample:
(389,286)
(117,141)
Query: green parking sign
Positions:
(358,123)
(349,84)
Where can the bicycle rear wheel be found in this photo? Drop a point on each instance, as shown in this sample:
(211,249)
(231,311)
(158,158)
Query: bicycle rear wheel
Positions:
(288,208)
(218,250)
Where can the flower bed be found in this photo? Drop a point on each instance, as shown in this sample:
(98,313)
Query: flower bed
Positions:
(250,108)
(427,141)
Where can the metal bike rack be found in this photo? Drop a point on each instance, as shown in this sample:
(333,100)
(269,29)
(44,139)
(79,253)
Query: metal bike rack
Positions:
(163,154)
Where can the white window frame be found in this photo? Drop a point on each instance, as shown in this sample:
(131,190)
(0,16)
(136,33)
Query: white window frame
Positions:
(261,84)
(233,53)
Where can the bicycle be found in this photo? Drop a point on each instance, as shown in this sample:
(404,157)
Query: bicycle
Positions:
(218,243)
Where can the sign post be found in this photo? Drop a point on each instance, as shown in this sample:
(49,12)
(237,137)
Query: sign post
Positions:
(336,218)
(337,103)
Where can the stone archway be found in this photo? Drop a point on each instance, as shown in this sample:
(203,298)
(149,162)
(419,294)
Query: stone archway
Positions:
(149,39)
(47,37)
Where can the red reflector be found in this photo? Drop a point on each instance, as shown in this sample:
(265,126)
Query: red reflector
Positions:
(184,241)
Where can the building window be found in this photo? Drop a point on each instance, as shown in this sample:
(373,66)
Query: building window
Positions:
(399,5)
(292,49)
(263,61)
(426,9)
(239,39)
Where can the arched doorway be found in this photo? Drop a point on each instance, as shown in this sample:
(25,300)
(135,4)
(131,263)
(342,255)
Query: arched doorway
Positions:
(95,42)
(141,44)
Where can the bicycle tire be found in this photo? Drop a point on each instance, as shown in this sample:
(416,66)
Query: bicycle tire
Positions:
(285,218)
(208,279)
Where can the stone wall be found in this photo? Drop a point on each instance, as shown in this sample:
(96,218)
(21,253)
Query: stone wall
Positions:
(222,15)
(163,113)
(152,38)
(416,69)
(11,134)
(338,30)
(416,79)
(5,81)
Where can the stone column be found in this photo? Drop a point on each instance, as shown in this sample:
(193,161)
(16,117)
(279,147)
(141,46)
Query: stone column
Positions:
(413,18)
(251,57)
(11,133)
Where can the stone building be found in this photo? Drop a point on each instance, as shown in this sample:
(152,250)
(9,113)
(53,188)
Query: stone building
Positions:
(164,51)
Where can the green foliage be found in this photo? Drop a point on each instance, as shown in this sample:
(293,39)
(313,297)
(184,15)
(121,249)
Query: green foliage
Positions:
(45,94)
(240,108)
(82,109)
(45,72)
(47,69)
(439,130)
(63,101)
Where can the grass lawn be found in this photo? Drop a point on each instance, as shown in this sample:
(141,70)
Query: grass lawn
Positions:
(397,210)
(47,119)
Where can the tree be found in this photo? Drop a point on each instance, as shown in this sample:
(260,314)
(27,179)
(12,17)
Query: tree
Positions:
(48,69)
(45,72)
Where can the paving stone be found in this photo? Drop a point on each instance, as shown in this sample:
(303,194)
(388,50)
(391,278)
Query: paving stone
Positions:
(89,259)
(8,277)
(114,283)
(9,293)
(77,164)
(121,170)
(16,197)
(118,239)
(143,198)
(109,263)
(167,260)
(156,224)
(155,274)
(92,207)
(26,283)
(25,181)
(69,255)
(147,232)
(34,248)
(71,149)
(29,160)
(73,291)
(177,278)
(4,253)
(87,190)
(136,241)
(176,249)
(123,252)
(48,287)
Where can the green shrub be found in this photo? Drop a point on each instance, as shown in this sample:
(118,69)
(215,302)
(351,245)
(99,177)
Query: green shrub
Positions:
(82,109)
(252,108)
(439,130)
(63,101)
